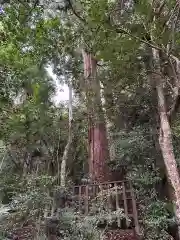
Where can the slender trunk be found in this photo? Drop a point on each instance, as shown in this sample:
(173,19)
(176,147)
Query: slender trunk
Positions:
(109,123)
(67,148)
(165,137)
(111,147)
(98,143)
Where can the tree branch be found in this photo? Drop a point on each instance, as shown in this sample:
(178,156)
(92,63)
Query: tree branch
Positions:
(161,8)
(46,144)
(34,6)
(126,32)
(117,29)
(23,3)
(174,109)
(12,158)
(75,13)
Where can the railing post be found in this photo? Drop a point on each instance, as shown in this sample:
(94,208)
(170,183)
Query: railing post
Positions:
(87,200)
(125,203)
(80,196)
(117,204)
(135,214)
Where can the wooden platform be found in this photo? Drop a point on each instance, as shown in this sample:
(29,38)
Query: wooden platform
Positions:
(109,197)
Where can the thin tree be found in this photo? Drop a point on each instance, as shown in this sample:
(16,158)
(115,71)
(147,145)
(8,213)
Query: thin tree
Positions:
(68,145)
(165,136)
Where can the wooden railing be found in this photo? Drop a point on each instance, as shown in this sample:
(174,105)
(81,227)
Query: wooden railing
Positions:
(113,197)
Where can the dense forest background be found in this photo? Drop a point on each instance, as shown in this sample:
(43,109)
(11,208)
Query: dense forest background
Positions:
(132,88)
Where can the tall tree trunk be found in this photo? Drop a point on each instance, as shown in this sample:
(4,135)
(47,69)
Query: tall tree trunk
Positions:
(67,148)
(98,143)
(165,137)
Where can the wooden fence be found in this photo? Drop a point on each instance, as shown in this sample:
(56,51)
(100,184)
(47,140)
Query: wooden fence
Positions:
(109,197)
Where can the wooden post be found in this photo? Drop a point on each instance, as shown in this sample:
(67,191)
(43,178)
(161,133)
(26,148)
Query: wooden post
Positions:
(135,215)
(79,198)
(87,200)
(125,203)
(117,204)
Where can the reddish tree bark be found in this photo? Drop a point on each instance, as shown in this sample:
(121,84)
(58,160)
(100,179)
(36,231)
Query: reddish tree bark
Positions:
(98,143)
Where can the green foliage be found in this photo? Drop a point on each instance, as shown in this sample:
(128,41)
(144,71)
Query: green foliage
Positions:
(158,215)
(34,131)
(134,149)
(74,226)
